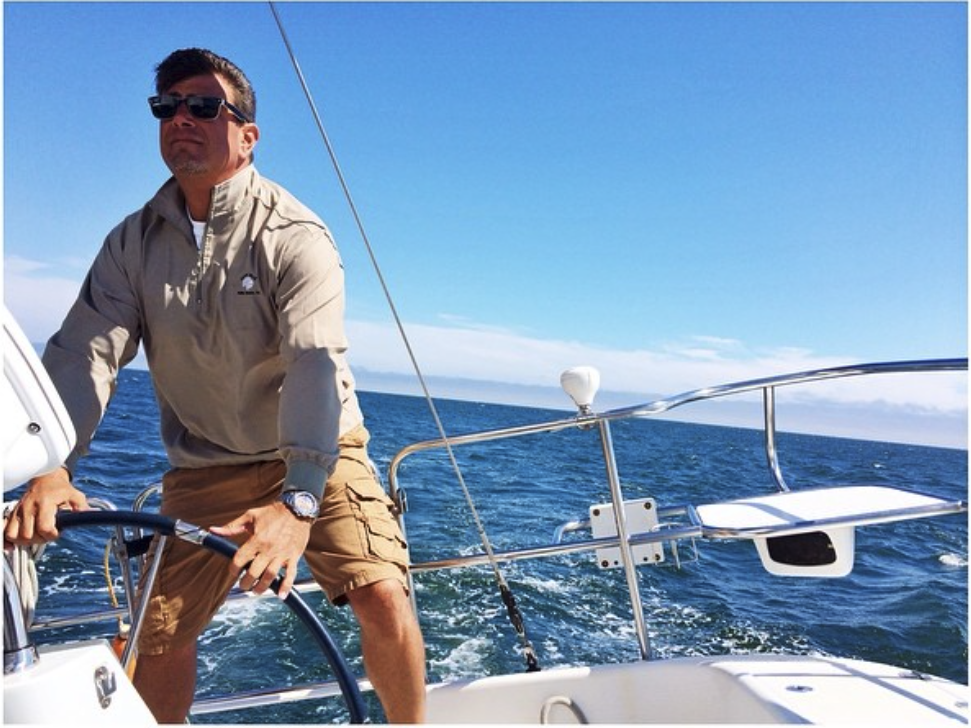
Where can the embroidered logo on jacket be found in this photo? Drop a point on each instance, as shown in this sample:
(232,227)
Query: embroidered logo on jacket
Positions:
(247,286)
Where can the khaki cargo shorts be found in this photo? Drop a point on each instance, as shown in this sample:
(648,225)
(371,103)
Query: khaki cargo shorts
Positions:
(354,542)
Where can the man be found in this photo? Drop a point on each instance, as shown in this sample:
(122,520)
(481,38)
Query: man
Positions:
(236,292)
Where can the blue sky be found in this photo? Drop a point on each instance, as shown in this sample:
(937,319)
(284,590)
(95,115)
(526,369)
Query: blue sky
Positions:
(682,194)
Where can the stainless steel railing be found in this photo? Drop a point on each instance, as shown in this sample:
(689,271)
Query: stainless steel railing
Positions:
(587,419)
(681,522)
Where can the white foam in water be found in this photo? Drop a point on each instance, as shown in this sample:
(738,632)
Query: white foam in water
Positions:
(466,659)
(548,586)
(55,583)
(552,652)
(953,560)
(237,618)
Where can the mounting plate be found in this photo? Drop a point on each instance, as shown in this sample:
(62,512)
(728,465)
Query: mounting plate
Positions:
(640,516)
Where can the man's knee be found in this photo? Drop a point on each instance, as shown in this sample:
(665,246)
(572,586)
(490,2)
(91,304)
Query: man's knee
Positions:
(382,601)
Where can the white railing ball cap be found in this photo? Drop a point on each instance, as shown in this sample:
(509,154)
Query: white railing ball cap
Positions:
(581,383)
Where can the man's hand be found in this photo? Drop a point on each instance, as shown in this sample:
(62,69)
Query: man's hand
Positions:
(33,520)
(277,540)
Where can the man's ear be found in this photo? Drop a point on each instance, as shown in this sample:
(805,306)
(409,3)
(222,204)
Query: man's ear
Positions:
(250,136)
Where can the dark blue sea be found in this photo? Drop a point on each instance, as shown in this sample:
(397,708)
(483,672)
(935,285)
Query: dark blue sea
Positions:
(905,603)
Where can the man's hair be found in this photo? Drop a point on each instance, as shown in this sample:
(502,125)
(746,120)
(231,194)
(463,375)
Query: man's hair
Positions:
(189,62)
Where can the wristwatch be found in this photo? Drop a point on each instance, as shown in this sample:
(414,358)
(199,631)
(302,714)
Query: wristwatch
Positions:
(301,503)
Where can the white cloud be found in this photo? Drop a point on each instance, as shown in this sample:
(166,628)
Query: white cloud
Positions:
(16,265)
(38,302)
(505,356)
(472,351)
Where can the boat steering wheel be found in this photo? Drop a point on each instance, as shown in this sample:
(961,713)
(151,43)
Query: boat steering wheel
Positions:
(180,529)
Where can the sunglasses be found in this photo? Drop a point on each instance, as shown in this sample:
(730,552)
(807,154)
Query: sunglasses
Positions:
(201,107)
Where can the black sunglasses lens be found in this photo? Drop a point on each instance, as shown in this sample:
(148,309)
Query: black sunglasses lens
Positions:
(203,107)
(163,107)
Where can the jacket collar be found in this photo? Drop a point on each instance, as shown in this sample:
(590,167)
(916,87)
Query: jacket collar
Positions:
(227,196)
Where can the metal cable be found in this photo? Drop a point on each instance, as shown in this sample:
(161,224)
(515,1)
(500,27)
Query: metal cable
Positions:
(513,610)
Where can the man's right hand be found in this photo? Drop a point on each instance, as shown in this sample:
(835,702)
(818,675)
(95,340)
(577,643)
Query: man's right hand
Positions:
(33,519)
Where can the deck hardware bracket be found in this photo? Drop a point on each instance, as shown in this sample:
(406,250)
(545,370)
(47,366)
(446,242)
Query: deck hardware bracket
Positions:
(400,501)
(641,517)
(105,684)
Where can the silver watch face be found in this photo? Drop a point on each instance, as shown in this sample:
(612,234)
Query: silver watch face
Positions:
(303,504)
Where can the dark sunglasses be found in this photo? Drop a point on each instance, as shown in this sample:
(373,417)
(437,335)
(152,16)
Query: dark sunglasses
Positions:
(201,107)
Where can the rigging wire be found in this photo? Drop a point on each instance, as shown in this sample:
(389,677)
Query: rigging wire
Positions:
(532,663)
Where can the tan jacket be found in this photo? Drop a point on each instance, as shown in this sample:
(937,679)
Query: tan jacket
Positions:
(244,337)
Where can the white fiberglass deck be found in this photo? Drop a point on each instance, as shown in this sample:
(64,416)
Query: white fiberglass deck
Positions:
(707,690)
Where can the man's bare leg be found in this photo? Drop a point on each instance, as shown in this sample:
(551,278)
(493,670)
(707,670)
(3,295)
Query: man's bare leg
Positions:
(167,683)
(394,658)
(394,653)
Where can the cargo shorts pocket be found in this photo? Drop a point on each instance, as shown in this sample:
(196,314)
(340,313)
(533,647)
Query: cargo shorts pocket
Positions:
(377,528)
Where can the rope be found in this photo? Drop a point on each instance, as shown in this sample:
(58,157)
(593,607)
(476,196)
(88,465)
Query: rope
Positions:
(109,582)
(532,663)
(23,566)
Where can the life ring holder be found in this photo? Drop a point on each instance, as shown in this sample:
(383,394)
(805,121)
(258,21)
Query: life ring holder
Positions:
(204,539)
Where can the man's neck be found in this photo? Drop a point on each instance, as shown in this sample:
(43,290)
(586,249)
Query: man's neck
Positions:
(198,192)
(197,199)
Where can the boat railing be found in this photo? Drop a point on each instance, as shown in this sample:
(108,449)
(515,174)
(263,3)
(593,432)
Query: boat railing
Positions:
(675,523)
(654,408)
(684,521)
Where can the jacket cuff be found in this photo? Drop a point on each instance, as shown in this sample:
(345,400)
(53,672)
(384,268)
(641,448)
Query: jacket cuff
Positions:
(306,475)
(71,464)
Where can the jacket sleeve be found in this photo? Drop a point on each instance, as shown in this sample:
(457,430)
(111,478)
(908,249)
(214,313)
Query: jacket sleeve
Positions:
(310,304)
(99,336)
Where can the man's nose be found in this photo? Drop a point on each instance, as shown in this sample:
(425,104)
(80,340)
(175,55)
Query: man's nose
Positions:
(182,115)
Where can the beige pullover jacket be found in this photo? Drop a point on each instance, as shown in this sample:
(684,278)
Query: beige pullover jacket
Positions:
(244,335)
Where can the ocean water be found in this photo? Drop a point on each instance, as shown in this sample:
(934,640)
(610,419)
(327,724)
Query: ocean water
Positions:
(905,603)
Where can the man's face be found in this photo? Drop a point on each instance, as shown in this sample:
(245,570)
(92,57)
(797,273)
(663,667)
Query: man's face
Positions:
(209,151)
